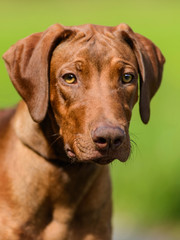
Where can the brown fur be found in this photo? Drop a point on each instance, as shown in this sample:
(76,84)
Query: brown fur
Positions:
(55,146)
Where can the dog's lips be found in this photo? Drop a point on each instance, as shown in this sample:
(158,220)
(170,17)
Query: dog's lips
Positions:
(97,157)
(70,153)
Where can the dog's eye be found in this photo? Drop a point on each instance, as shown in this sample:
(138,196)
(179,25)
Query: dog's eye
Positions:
(127,78)
(69,78)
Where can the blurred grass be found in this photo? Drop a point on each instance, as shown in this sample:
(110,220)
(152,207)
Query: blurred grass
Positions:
(147,187)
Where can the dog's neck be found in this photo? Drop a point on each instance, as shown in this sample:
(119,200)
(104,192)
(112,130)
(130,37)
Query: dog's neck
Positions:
(42,138)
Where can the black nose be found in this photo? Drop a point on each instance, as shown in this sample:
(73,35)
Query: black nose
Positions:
(108,137)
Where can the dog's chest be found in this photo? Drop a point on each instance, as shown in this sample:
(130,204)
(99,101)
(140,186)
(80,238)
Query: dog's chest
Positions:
(53,199)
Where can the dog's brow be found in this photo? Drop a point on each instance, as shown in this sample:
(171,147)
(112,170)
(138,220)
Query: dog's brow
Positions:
(79,64)
(120,61)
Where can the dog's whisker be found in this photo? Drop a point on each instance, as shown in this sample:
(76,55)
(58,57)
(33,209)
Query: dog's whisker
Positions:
(52,143)
(133,142)
(55,135)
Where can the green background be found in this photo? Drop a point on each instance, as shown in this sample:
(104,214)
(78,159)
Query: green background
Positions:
(146,189)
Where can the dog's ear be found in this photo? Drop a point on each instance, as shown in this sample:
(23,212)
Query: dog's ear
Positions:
(150,61)
(27,63)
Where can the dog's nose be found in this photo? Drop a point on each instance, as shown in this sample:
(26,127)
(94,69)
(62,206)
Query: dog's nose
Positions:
(108,137)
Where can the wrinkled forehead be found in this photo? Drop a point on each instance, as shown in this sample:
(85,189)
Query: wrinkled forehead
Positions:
(96,47)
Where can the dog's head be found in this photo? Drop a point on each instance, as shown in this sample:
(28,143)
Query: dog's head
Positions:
(89,76)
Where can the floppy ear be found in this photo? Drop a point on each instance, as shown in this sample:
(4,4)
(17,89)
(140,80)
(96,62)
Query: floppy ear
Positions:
(27,63)
(150,61)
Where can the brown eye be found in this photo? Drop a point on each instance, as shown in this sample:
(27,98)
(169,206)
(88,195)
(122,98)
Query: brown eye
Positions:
(127,78)
(69,78)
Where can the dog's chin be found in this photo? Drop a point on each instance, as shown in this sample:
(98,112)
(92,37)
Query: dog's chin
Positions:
(109,159)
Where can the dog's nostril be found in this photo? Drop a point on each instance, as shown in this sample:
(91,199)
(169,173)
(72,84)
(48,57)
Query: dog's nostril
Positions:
(101,140)
(117,141)
(101,143)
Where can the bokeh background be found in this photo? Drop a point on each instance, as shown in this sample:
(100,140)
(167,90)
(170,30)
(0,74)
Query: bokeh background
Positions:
(146,189)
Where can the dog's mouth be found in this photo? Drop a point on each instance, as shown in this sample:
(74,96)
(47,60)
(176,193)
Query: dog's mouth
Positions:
(79,153)
(97,158)
(70,153)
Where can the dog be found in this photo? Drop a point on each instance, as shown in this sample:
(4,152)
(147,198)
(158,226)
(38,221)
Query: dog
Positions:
(78,87)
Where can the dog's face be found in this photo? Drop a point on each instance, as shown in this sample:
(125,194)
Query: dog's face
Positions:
(92,76)
(93,85)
